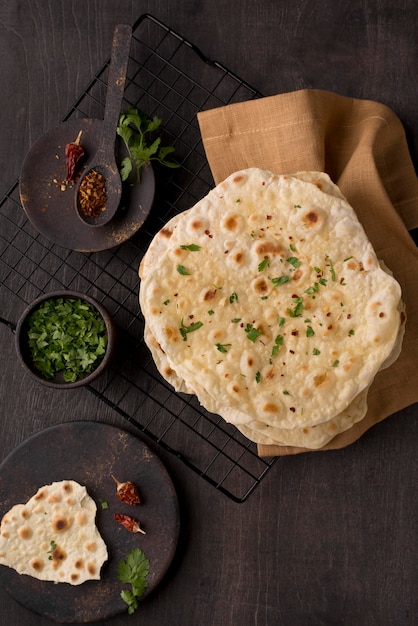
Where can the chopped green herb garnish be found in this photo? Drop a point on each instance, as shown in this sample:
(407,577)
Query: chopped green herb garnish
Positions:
(351,332)
(299,308)
(292,247)
(222,347)
(135,128)
(297,206)
(133,571)
(313,289)
(294,261)
(236,320)
(323,282)
(233,297)
(182,270)
(286,393)
(277,343)
(281,321)
(336,363)
(192,247)
(257,377)
(66,335)
(103,504)
(348,258)
(184,330)
(310,331)
(318,270)
(252,333)
(52,546)
(264,263)
(331,267)
(315,352)
(211,312)
(166,302)
(280,280)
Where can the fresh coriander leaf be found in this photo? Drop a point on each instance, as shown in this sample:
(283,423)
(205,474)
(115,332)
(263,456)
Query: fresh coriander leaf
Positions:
(264,263)
(252,333)
(135,128)
(182,270)
(192,247)
(184,330)
(280,280)
(222,347)
(133,571)
(294,261)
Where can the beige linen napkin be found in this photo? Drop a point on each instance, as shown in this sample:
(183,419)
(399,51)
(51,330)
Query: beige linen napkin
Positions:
(362,146)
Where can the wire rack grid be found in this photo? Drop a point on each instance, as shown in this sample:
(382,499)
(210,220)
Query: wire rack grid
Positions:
(170,78)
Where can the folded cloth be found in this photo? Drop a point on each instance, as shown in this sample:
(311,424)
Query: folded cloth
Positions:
(362,146)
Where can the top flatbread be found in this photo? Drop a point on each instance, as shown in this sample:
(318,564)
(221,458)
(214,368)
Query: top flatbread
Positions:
(268,296)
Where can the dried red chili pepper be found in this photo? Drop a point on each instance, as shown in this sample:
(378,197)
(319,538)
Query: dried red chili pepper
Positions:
(127,492)
(128,522)
(73,154)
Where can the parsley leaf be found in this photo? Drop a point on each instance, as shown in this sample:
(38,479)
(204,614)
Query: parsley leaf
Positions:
(134,128)
(133,571)
(192,247)
(189,329)
(252,333)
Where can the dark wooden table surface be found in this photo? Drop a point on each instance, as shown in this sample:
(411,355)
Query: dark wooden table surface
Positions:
(326,538)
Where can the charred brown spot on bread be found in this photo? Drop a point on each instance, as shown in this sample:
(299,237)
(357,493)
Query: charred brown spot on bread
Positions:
(37,565)
(40,495)
(311,218)
(261,286)
(60,523)
(78,563)
(67,487)
(267,248)
(209,295)
(74,577)
(271,407)
(166,233)
(231,222)
(238,257)
(196,225)
(238,179)
(320,380)
(57,556)
(91,568)
(25,532)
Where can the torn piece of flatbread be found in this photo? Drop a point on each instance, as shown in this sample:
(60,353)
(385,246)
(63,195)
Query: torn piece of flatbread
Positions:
(54,535)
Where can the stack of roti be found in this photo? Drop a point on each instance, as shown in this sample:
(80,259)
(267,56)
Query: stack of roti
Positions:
(53,536)
(267,301)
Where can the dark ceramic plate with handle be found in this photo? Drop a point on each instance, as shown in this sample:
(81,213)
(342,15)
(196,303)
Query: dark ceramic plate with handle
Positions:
(89,453)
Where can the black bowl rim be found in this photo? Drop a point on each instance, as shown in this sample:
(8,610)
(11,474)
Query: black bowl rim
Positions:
(65,293)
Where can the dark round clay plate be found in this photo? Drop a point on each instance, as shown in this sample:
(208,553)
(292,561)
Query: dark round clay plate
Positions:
(52,211)
(89,452)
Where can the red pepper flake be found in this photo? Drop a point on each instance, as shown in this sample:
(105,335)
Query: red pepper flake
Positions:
(130,523)
(127,492)
(92,194)
(73,155)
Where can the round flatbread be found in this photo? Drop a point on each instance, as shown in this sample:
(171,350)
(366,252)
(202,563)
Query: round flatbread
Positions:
(267,301)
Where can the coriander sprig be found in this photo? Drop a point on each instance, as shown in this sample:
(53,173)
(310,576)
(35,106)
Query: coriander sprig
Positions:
(135,129)
(133,571)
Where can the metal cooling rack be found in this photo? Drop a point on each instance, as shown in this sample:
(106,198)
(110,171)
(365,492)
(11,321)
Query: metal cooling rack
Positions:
(171,78)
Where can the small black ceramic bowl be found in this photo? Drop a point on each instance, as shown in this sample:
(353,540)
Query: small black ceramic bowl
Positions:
(24,351)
